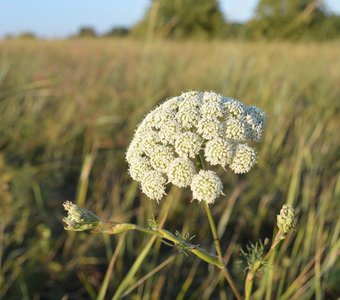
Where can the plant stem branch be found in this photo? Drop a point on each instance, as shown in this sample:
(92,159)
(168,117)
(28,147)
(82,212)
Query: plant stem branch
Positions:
(114,228)
(252,272)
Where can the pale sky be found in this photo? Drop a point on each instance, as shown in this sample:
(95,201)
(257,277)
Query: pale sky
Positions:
(52,18)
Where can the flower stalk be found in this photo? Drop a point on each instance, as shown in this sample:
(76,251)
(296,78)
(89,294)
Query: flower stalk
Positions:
(225,272)
(218,248)
(80,219)
(115,228)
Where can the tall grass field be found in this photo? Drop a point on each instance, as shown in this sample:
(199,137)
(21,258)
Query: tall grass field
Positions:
(68,110)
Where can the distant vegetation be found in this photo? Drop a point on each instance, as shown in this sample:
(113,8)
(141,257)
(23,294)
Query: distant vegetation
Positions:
(183,19)
(287,19)
(86,32)
(202,19)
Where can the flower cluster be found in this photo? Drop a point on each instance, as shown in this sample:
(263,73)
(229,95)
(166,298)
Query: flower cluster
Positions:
(168,142)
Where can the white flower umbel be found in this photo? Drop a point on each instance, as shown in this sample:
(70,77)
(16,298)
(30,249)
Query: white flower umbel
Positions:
(167,143)
(181,172)
(188,144)
(219,152)
(243,160)
(153,185)
(206,186)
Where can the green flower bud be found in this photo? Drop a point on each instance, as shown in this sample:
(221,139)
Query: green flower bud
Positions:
(286,219)
(78,218)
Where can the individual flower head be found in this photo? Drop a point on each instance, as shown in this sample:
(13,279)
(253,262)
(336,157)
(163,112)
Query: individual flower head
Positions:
(206,186)
(172,104)
(234,108)
(219,152)
(188,117)
(78,218)
(209,97)
(188,144)
(153,185)
(138,166)
(209,128)
(134,151)
(243,159)
(169,132)
(181,171)
(160,158)
(190,100)
(254,128)
(235,129)
(148,141)
(258,113)
(212,109)
(162,115)
(255,120)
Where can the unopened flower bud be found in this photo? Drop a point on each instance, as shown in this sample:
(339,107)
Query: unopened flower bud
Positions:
(286,219)
(78,218)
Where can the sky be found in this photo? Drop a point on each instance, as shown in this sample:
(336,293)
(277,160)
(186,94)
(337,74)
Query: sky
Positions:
(62,18)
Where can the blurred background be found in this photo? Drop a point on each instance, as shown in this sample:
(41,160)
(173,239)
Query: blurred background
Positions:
(76,77)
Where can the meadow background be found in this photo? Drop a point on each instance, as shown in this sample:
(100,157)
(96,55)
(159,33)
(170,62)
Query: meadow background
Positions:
(68,109)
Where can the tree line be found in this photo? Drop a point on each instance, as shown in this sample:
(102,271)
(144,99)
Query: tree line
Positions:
(273,19)
(203,19)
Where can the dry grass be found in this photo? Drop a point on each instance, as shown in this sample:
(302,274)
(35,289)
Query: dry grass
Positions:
(68,110)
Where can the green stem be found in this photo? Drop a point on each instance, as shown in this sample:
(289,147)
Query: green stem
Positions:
(113,228)
(213,230)
(225,272)
(252,272)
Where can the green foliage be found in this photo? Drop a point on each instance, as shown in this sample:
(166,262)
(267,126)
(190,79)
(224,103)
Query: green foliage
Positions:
(276,9)
(27,35)
(292,19)
(253,254)
(86,32)
(284,19)
(117,32)
(183,18)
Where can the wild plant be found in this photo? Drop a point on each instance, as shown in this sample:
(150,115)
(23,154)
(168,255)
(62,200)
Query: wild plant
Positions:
(183,142)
